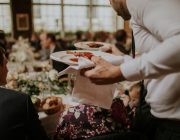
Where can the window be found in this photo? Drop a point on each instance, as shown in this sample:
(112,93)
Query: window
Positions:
(120,23)
(76,2)
(47,15)
(78,15)
(46,1)
(104,18)
(5,1)
(5,16)
(75,18)
(101,2)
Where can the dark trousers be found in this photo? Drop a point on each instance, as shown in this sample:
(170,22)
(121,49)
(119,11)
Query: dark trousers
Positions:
(159,130)
(167,130)
(120,136)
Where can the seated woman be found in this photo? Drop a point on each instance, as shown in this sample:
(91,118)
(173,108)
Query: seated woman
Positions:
(18,117)
(86,121)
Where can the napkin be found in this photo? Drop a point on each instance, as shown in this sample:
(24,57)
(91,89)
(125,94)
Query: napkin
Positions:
(85,91)
(86,63)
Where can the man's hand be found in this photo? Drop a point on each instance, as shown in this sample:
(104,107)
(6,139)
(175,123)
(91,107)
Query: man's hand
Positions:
(111,49)
(103,72)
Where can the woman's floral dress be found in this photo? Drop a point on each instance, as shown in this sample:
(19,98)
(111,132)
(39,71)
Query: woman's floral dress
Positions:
(85,121)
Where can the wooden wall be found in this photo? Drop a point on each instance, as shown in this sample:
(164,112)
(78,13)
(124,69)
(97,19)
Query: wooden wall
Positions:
(22,18)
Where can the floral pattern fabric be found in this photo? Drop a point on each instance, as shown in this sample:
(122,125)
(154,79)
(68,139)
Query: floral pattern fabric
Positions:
(85,121)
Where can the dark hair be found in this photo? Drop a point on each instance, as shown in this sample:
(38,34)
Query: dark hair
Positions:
(51,36)
(100,36)
(79,34)
(2,35)
(2,52)
(120,35)
(3,41)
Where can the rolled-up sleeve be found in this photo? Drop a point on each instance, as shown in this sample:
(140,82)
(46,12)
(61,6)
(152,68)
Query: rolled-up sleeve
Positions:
(164,59)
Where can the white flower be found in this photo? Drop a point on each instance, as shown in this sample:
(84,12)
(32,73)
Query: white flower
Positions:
(77,114)
(53,74)
(21,56)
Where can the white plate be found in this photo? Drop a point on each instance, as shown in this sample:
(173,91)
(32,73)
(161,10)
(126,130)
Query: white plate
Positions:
(84,45)
(62,56)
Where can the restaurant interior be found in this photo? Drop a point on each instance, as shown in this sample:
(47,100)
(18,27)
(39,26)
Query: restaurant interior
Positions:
(43,40)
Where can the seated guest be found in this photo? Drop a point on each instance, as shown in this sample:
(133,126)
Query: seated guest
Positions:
(18,117)
(48,41)
(101,36)
(35,42)
(86,121)
(3,41)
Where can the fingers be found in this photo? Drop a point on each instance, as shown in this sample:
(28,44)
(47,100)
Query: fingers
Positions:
(82,72)
(90,73)
(98,61)
(95,59)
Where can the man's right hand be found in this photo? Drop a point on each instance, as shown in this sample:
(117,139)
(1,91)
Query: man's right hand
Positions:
(104,72)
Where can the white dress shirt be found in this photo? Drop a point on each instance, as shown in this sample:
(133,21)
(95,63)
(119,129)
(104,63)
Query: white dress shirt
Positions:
(156,27)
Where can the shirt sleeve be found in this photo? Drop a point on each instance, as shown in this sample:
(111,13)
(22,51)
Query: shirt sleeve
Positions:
(164,59)
(144,40)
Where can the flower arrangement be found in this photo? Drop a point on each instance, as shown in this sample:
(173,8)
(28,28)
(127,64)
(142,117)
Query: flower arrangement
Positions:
(38,83)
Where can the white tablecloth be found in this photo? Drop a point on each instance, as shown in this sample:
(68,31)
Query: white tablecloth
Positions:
(49,122)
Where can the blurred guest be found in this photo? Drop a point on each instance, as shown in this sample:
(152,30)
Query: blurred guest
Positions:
(3,41)
(87,36)
(61,42)
(66,44)
(18,117)
(35,42)
(101,36)
(79,36)
(121,38)
(44,52)
(86,121)
(48,42)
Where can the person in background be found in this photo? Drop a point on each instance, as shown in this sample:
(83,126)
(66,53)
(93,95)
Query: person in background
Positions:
(35,42)
(48,42)
(85,121)
(44,52)
(121,38)
(3,41)
(79,36)
(87,36)
(157,37)
(18,117)
(101,36)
